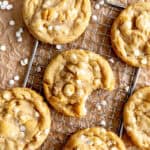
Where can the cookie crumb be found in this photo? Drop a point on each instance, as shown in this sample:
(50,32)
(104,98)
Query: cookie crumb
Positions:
(103,102)
(19,39)
(46,131)
(24,62)
(22,128)
(50,28)
(102,2)
(136,52)
(98,106)
(39,69)
(111,60)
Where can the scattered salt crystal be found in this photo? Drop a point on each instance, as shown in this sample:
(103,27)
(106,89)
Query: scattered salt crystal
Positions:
(39,69)
(103,102)
(41,28)
(24,62)
(9,7)
(11,82)
(18,34)
(101,2)
(2,48)
(59,47)
(11,22)
(19,39)
(97,6)
(111,60)
(37,115)
(16,78)
(94,18)
(98,106)
(5,3)
(103,123)
(20,30)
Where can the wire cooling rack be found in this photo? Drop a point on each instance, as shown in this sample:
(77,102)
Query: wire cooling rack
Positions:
(104,108)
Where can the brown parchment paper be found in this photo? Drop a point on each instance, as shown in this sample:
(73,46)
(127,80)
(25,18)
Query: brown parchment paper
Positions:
(104,108)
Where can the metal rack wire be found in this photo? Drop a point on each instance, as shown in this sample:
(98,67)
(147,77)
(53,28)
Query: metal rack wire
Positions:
(97,39)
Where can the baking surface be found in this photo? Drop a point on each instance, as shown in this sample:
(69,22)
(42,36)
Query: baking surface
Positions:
(102,105)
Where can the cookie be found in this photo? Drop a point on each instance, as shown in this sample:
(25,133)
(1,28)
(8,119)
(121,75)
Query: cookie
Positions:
(72,76)
(94,139)
(56,21)
(24,119)
(130,35)
(137,118)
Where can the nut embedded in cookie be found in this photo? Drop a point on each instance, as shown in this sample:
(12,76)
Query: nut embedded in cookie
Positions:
(130,35)
(137,118)
(56,21)
(24,119)
(72,76)
(94,139)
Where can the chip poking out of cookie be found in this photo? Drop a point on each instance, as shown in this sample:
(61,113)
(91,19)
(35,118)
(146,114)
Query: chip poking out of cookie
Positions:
(72,76)
(130,35)
(57,21)
(94,139)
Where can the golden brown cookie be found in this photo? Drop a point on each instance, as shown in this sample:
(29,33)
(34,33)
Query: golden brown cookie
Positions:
(130,35)
(24,119)
(56,21)
(94,139)
(137,118)
(72,76)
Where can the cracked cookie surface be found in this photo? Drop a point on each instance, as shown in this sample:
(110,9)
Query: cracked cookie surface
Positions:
(137,118)
(24,119)
(130,35)
(94,139)
(72,76)
(57,21)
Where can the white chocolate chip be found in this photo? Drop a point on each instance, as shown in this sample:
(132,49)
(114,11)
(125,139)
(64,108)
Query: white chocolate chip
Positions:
(46,131)
(11,82)
(69,90)
(59,47)
(94,18)
(7,95)
(41,28)
(73,58)
(12,23)
(103,123)
(37,115)
(136,52)
(144,61)
(57,28)
(22,128)
(114,148)
(97,6)
(80,92)
(16,78)
(50,28)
